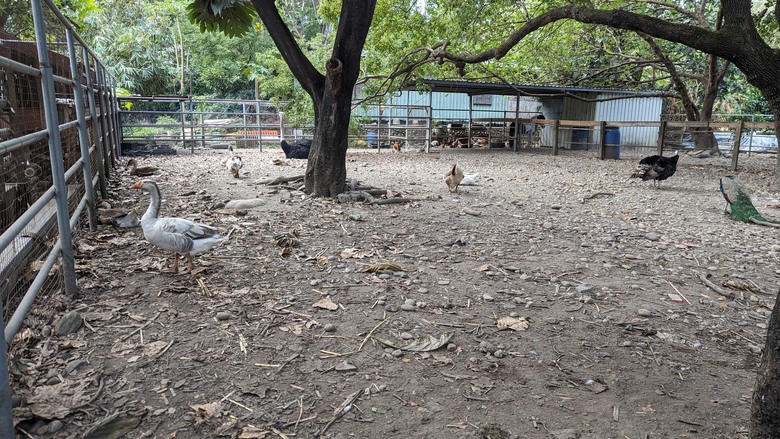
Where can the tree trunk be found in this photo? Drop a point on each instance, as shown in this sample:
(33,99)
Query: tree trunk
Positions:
(331,94)
(765,410)
(326,171)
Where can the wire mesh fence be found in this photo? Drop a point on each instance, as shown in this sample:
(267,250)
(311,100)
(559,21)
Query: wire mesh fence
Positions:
(159,125)
(57,143)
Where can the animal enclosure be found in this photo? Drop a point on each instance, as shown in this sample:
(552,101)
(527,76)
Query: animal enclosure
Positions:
(57,147)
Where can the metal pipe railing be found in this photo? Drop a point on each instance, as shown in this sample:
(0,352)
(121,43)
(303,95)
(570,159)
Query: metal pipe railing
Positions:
(55,149)
(97,112)
(17,319)
(78,98)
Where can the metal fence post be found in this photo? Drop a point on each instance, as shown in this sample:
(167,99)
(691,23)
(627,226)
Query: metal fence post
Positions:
(6,408)
(55,151)
(86,163)
(95,125)
(110,155)
(114,113)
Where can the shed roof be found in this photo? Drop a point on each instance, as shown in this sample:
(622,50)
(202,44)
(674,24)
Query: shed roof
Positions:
(490,88)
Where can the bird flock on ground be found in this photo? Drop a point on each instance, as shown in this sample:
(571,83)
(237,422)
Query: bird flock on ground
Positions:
(188,238)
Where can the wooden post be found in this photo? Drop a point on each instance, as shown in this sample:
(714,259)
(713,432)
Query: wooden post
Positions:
(602,136)
(737,144)
(661,135)
(430,121)
(556,127)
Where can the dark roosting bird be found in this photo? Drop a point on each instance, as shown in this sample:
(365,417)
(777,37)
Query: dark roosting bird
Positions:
(297,150)
(656,168)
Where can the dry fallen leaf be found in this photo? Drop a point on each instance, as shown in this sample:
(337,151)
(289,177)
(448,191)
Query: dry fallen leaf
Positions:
(326,303)
(154,348)
(513,323)
(356,253)
(383,266)
(430,344)
(206,411)
(252,432)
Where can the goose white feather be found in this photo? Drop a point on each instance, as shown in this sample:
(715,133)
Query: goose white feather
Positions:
(178,235)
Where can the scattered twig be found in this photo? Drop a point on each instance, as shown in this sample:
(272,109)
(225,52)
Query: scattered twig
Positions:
(679,293)
(241,405)
(743,337)
(287,361)
(203,287)
(457,377)
(281,435)
(140,328)
(298,421)
(369,334)
(653,352)
(340,411)
(717,289)
(94,398)
(157,355)
(596,194)
(689,423)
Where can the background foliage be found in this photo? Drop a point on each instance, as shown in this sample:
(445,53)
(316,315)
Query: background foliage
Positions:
(153,48)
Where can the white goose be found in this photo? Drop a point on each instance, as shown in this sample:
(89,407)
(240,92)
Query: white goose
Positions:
(179,235)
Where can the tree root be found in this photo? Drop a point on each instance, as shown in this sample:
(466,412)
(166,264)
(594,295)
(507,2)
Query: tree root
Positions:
(358,196)
(282,180)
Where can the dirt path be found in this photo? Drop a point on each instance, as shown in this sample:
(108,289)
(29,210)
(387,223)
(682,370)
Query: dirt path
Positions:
(613,332)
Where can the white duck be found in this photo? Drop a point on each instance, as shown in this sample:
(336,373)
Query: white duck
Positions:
(179,235)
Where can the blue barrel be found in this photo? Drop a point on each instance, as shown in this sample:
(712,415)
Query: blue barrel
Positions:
(612,143)
(579,139)
(372,138)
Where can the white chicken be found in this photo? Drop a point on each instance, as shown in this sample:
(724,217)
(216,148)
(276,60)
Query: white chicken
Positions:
(179,235)
(469,179)
(454,177)
(233,163)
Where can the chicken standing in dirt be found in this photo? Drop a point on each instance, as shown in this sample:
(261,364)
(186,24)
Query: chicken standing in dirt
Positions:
(179,235)
(454,177)
(233,163)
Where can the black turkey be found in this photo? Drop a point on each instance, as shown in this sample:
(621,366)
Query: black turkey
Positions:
(656,168)
(297,150)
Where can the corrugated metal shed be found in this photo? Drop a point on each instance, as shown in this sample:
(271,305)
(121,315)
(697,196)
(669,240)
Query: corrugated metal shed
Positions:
(464,100)
(631,109)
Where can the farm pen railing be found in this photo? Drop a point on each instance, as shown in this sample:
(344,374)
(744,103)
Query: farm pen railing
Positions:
(595,133)
(148,123)
(57,142)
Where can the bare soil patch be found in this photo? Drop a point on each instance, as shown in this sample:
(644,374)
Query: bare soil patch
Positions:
(624,339)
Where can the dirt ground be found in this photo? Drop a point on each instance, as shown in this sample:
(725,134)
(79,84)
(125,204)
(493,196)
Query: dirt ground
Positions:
(555,299)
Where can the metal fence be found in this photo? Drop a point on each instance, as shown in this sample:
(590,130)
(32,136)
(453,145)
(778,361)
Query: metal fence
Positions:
(158,124)
(58,142)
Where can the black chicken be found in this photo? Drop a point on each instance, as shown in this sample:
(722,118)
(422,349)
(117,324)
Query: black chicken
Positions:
(656,168)
(297,150)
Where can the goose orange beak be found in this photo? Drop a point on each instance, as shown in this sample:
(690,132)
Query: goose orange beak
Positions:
(136,185)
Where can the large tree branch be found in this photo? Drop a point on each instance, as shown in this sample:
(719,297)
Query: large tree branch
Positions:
(354,22)
(310,78)
(729,43)
(685,96)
